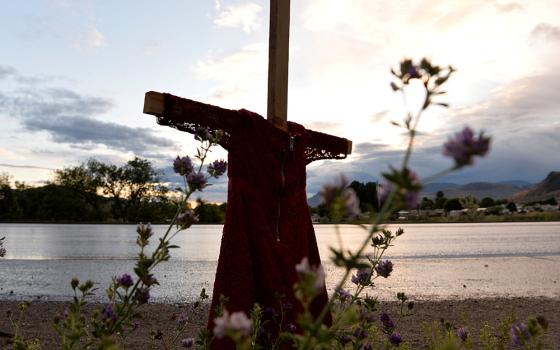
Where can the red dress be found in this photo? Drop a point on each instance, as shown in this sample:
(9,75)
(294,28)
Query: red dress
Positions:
(268,228)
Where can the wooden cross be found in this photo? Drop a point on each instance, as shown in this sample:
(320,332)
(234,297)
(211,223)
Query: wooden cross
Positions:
(278,58)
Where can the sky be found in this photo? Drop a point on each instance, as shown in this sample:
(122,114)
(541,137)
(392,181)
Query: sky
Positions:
(73,75)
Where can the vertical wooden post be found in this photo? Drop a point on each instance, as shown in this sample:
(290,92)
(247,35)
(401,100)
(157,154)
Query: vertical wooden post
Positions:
(278,57)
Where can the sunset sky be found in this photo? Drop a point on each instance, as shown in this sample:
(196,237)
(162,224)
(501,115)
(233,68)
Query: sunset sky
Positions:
(73,76)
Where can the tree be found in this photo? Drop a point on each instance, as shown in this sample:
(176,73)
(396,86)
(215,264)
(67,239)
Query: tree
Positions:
(9,208)
(367,194)
(511,207)
(83,182)
(209,213)
(440,200)
(487,202)
(427,203)
(452,204)
(128,185)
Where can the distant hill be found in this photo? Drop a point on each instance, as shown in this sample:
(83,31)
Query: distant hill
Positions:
(512,189)
(547,188)
(478,190)
(314,200)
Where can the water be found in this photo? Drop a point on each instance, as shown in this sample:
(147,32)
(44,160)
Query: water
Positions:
(436,261)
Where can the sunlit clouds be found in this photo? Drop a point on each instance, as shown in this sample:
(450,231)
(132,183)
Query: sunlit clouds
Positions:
(105,57)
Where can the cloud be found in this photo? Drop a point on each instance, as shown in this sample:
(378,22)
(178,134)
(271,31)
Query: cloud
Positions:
(509,7)
(68,118)
(92,39)
(87,133)
(17,166)
(53,102)
(244,16)
(6,72)
(238,74)
(95,38)
(546,32)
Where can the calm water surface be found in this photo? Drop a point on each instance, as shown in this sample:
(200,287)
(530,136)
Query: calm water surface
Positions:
(431,260)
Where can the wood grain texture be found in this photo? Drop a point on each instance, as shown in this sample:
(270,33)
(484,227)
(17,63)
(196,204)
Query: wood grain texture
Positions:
(278,59)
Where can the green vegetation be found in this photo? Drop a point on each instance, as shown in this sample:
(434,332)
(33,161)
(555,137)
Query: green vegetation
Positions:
(98,192)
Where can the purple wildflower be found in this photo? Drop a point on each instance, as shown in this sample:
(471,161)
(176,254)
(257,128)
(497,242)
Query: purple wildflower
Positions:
(125,280)
(387,322)
(344,295)
(520,333)
(367,315)
(291,327)
(463,333)
(396,339)
(236,322)
(203,134)
(66,312)
(183,165)
(360,333)
(149,280)
(142,295)
(187,342)
(362,277)
(187,218)
(108,314)
(384,268)
(465,145)
(217,168)
(196,181)
(270,313)
(316,273)
(345,339)
(384,191)
(413,72)
(339,196)
(367,346)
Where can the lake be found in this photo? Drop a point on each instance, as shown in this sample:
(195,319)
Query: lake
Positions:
(436,261)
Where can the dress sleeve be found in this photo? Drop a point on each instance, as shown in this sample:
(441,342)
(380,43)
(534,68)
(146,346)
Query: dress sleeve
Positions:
(324,146)
(188,115)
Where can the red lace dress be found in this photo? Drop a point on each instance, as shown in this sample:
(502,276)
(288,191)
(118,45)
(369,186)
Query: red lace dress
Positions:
(268,228)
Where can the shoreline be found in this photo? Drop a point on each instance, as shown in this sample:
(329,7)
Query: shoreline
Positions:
(359,222)
(37,322)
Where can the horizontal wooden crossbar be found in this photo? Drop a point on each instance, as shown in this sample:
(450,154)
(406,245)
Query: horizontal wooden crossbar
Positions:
(154,104)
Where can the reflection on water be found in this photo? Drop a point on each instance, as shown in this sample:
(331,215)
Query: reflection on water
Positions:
(431,260)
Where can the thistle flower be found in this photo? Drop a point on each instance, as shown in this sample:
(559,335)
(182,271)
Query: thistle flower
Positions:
(306,271)
(187,342)
(344,295)
(187,218)
(125,281)
(384,268)
(465,146)
(362,277)
(142,295)
(360,333)
(340,198)
(407,185)
(520,333)
(463,333)
(217,168)
(203,134)
(387,322)
(236,322)
(196,181)
(183,165)
(108,314)
(396,339)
